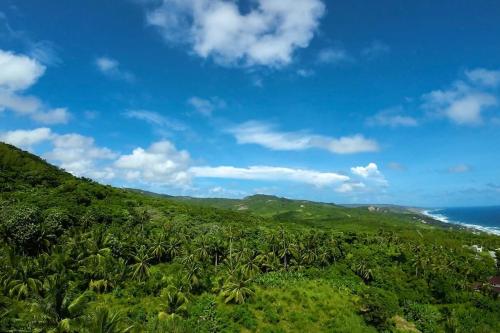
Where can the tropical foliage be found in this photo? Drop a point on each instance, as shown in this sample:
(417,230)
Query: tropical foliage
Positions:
(77,256)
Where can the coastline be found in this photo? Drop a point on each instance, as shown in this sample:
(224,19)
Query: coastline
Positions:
(444,219)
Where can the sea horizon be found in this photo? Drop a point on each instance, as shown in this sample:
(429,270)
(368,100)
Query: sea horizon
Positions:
(482,218)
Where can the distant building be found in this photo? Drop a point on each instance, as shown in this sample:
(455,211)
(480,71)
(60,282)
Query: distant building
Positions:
(477,248)
(495,283)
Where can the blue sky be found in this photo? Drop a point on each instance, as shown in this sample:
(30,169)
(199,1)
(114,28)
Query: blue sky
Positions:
(338,101)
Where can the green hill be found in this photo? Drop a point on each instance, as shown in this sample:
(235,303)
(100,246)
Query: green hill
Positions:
(78,256)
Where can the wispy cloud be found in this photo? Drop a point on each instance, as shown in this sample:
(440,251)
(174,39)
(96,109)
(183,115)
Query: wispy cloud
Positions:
(392,117)
(156,119)
(266,135)
(334,55)
(111,68)
(459,168)
(206,106)
(375,49)
(267,34)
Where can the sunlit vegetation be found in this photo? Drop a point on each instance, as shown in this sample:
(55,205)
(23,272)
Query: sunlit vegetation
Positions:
(77,256)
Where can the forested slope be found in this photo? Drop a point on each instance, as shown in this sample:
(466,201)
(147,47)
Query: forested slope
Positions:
(77,256)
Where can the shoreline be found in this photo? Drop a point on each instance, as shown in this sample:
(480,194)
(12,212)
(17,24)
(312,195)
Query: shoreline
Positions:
(444,219)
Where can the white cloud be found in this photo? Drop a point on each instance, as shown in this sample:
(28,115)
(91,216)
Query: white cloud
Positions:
(349,187)
(464,102)
(375,50)
(45,52)
(271,173)
(305,72)
(459,168)
(484,77)
(111,68)
(392,117)
(18,73)
(371,170)
(79,155)
(26,138)
(333,56)
(370,173)
(161,163)
(204,106)
(75,153)
(396,166)
(25,105)
(54,116)
(263,134)
(154,118)
(266,34)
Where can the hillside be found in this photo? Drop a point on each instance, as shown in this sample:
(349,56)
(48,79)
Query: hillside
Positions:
(78,256)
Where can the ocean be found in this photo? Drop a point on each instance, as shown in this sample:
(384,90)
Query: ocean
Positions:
(482,218)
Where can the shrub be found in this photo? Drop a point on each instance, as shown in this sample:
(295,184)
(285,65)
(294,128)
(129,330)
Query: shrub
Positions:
(21,227)
(379,306)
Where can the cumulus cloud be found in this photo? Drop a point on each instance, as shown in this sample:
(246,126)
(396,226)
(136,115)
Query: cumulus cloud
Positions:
(79,155)
(161,164)
(392,117)
(73,152)
(266,34)
(26,138)
(370,173)
(111,68)
(18,73)
(263,134)
(271,173)
(465,101)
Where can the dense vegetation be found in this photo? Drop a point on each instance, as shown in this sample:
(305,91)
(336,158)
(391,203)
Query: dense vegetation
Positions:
(77,256)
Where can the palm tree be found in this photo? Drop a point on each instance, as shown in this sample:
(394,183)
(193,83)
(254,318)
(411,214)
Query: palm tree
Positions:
(363,271)
(175,302)
(236,289)
(173,248)
(24,283)
(143,217)
(193,272)
(102,321)
(202,248)
(249,261)
(285,251)
(140,270)
(217,250)
(159,248)
(268,261)
(57,309)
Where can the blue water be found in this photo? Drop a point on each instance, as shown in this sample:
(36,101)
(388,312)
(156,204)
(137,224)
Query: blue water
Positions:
(482,218)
